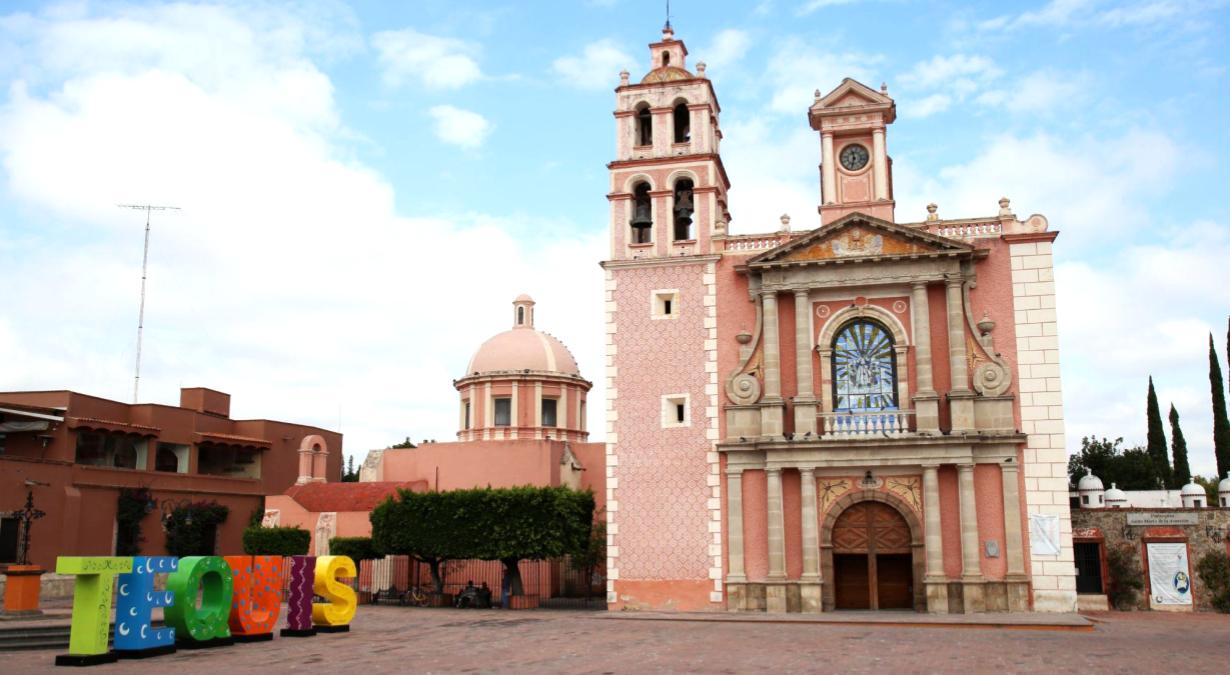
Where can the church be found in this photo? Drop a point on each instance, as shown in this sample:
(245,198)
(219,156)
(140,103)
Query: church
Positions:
(864,413)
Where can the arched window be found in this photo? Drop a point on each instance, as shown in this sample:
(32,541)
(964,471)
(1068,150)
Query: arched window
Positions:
(864,368)
(644,126)
(683,123)
(642,215)
(683,210)
(666,59)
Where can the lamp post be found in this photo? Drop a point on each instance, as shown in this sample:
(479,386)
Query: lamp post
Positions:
(26,516)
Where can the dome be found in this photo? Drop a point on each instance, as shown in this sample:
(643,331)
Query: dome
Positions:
(1192,490)
(1115,496)
(666,74)
(523,347)
(1223,488)
(1089,482)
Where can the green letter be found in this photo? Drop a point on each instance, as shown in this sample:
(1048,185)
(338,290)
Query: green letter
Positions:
(213,576)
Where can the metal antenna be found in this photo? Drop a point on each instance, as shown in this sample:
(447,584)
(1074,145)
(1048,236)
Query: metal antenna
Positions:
(668,14)
(136,383)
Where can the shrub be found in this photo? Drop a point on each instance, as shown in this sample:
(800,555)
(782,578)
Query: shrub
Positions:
(1126,577)
(276,541)
(1214,571)
(191,528)
(130,509)
(357,548)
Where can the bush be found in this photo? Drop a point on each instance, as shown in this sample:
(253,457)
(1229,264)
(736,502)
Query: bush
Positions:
(1214,571)
(356,548)
(191,528)
(1126,577)
(131,508)
(276,541)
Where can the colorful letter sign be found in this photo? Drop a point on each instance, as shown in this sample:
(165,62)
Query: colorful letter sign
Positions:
(135,600)
(342,601)
(87,642)
(208,622)
(299,596)
(257,598)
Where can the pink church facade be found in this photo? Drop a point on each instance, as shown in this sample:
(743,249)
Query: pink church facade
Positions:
(866,414)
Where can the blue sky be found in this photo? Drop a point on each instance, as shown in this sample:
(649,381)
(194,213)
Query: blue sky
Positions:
(367,186)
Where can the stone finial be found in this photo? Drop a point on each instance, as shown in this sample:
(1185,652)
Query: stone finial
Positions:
(931,209)
(668,33)
(884,88)
(1003,207)
(818,96)
(785,222)
(623,78)
(700,69)
(986,325)
(719,228)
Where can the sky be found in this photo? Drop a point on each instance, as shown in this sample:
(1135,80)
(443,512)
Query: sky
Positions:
(365,187)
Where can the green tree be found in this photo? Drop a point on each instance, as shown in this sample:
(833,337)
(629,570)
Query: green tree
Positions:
(1157,441)
(1130,469)
(1210,487)
(350,475)
(422,525)
(1221,425)
(403,445)
(276,541)
(1178,446)
(357,548)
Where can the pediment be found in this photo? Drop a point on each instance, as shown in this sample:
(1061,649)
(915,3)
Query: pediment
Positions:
(859,237)
(849,94)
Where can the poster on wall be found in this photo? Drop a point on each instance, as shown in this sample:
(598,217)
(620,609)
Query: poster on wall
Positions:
(1043,534)
(1170,580)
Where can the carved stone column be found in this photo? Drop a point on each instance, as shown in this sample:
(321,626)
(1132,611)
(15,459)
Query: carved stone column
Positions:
(805,401)
(1018,583)
(736,577)
(810,588)
(775,591)
(881,163)
(771,413)
(960,398)
(971,560)
(926,401)
(828,169)
(934,579)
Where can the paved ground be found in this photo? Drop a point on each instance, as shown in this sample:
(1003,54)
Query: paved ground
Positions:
(389,639)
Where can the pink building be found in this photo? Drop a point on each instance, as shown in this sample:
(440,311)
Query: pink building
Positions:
(863,414)
(521,421)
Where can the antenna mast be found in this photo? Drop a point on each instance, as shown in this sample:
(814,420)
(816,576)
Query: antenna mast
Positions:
(668,14)
(136,382)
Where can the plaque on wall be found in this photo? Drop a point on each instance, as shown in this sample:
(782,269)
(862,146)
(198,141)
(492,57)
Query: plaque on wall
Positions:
(1163,518)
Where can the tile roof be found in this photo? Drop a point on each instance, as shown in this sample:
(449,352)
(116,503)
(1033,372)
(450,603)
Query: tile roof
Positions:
(235,440)
(111,425)
(322,497)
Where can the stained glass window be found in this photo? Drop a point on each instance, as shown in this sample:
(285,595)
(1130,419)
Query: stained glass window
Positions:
(864,368)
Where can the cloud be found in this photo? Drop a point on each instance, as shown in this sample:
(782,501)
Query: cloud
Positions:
(463,128)
(434,62)
(1091,13)
(597,67)
(813,5)
(796,70)
(727,49)
(956,77)
(289,279)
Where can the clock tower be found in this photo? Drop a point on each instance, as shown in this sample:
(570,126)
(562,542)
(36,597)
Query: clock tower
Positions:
(855,169)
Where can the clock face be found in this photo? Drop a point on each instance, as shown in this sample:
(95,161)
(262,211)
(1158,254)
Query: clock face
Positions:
(854,157)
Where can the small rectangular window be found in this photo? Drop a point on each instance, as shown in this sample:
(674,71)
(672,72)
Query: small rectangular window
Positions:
(581,422)
(548,412)
(665,303)
(467,415)
(1084,499)
(503,412)
(675,411)
(679,412)
(666,306)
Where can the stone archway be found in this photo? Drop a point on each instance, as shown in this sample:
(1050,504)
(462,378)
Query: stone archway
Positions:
(891,534)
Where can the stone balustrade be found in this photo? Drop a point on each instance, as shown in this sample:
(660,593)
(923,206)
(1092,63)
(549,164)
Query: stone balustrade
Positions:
(855,425)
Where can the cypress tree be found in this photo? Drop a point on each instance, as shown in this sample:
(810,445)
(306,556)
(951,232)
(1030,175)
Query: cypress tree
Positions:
(1221,425)
(1157,440)
(1178,446)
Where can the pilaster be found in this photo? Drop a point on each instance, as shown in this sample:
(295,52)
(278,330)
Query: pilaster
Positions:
(960,398)
(805,401)
(771,413)
(936,582)
(971,560)
(926,401)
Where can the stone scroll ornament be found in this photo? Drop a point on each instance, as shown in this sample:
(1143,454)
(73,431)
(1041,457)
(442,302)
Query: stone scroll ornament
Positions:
(743,386)
(257,599)
(342,602)
(135,600)
(90,628)
(209,622)
(992,377)
(299,596)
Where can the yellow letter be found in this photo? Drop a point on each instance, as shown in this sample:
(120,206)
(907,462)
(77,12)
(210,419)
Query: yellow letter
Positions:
(342,601)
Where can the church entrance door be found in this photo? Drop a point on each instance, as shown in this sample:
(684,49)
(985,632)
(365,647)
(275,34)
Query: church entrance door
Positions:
(872,561)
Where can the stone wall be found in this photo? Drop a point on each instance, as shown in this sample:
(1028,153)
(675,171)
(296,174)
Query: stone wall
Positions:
(1211,533)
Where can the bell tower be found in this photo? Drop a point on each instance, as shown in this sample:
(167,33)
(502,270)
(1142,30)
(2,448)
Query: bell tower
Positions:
(856,173)
(668,186)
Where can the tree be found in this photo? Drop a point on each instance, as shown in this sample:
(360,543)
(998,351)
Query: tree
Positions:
(1157,441)
(403,445)
(1178,446)
(1221,425)
(1130,469)
(529,523)
(1210,488)
(422,525)
(282,541)
(350,475)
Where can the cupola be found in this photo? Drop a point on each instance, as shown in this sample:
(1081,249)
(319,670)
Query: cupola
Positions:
(1194,496)
(1091,492)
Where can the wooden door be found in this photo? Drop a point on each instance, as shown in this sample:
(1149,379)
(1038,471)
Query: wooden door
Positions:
(872,534)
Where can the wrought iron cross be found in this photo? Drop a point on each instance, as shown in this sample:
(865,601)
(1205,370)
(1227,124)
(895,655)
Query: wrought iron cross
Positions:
(26,516)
